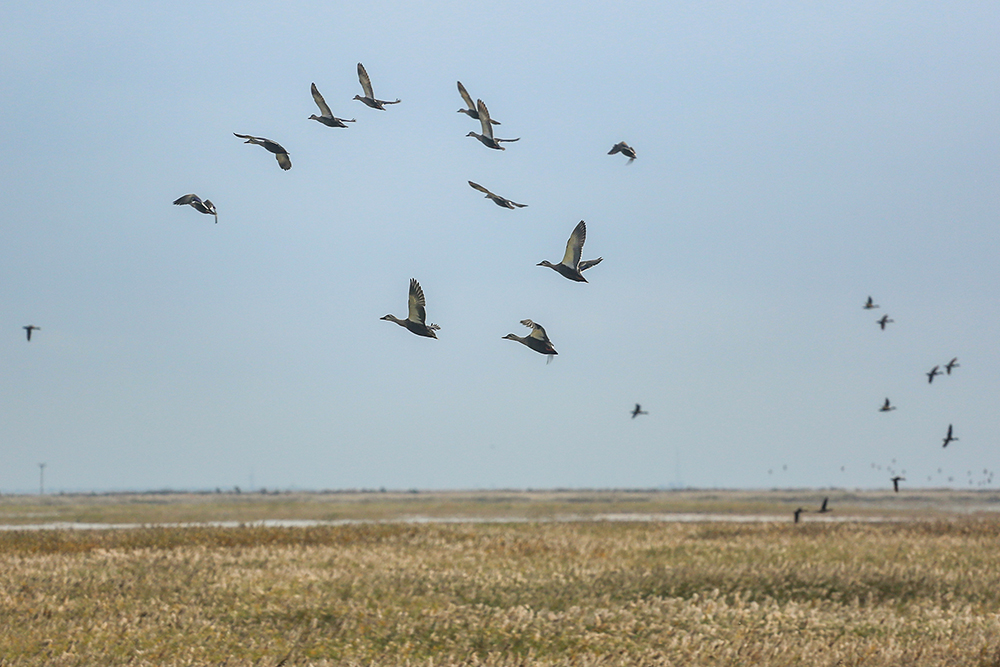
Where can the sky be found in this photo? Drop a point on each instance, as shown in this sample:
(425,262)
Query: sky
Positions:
(793,159)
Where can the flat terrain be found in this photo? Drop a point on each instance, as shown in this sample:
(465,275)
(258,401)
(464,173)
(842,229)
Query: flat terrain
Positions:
(918,586)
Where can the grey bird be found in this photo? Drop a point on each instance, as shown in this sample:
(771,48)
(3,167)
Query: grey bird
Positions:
(326,116)
(952,364)
(571,267)
(869,305)
(624,149)
(369,97)
(486,138)
(471,112)
(29,329)
(279,152)
(885,320)
(949,438)
(537,340)
(895,482)
(886,407)
(497,199)
(931,373)
(196,202)
(638,411)
(416,316)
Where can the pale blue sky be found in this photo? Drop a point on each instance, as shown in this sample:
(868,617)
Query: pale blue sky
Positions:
(792,160)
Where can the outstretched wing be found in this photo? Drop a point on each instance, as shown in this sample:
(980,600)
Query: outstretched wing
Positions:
(284,161)
(187,199)
(320,102)
(477,186)
(574,246)
(587,263)
(465,96)
(416,303)
(536,330)
(484,119)
(366,83)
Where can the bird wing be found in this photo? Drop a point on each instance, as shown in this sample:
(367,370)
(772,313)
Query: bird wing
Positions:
(465,96)
(536,330)
(248,137)
(484,118)
(187,199)
(615,149)
(284,161)
(366,83)
(416,303)
(320,102)
(477,186)
(587,263)
(574,246)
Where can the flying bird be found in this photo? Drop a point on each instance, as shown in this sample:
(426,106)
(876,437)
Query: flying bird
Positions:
(885,320)
(824,509)
(29,329)
(486,138)
(416,316)
(895,482)
(638,411)
(624,149)
(886,407)
(931,373)
(198,204)
(366,86)
(798,512)
(571,267)
(279,152)
(949,438)
(869,305)
(471,112)
(497,199)
(952,364)
(536,340)
(326,116)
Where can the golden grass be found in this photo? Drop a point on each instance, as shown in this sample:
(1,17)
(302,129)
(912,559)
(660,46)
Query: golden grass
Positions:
(595,593)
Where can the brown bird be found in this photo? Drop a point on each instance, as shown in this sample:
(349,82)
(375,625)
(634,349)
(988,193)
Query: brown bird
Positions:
(869,305)
(486,138)
(279,152)
(536,340)
(471,112)
(326,116)
(624,149)
(416,315)
(571,267)
(29,329)
(886,407)
(497,199)
(195,202)
(366,86)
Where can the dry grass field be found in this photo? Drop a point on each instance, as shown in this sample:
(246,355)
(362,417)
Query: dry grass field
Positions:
(921,589)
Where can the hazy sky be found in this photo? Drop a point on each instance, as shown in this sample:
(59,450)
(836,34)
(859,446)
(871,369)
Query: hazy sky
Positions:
(793,159)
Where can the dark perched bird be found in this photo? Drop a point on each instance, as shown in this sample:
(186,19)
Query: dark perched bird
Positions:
(497,199)
(326,116)
(824,509)
(949,438)
(279,152)
(931,373)
(366,86)
(885,320)
(571,267)
(536,340)
(895,482)
(486,138)
(624,149)
(638,411)
(197,204)
(416,316)
(29,329)
(952,364)
(798,512)
(869,305)
(471,112)
(886,407)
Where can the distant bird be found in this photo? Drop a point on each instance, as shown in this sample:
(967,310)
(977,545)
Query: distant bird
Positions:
(497,199)
(952,364)
(638,411)
(326,116)
(949,438)
(279,152)
(366,86)
(824,509)
(486,138)
(886,407)
(895,482)
(869,305)
(197,204)
(798,512)
(471,112)
(885,320)
(571,267)
(29,329)
(624,149)
(416,316)
(931,373)
(536,340)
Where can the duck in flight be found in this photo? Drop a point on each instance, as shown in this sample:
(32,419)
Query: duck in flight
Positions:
(29,329)
(952,364)
(895,482)
(471,112)
(949,438)
(416,316)
(869,305)
(638,411)
(366,86)
(198,204)
(798,512)
(326,116)
(497,199)
(537,340)
(886,407)
(624,149)
(931,373)
(280,153)
(571,267)
(824,509)
(486,138)
(885,320)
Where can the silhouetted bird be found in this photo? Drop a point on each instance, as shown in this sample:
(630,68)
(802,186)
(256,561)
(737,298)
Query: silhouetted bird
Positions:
(366,86)
(195,202)
(638,411)
(948,438)
(571,267)
(416,315)
(895,482)
(624,149)
(886,407)
(279,152)
(326,116)
(869,305)
(952,364)
(824,509)
(497,199)
(798,512)
(471,112)
(537,340)
(29,329)
(885,320)
(486,138)
(931,373)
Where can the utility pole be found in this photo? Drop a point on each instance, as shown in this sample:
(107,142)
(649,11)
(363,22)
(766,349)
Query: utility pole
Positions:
(41,479)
